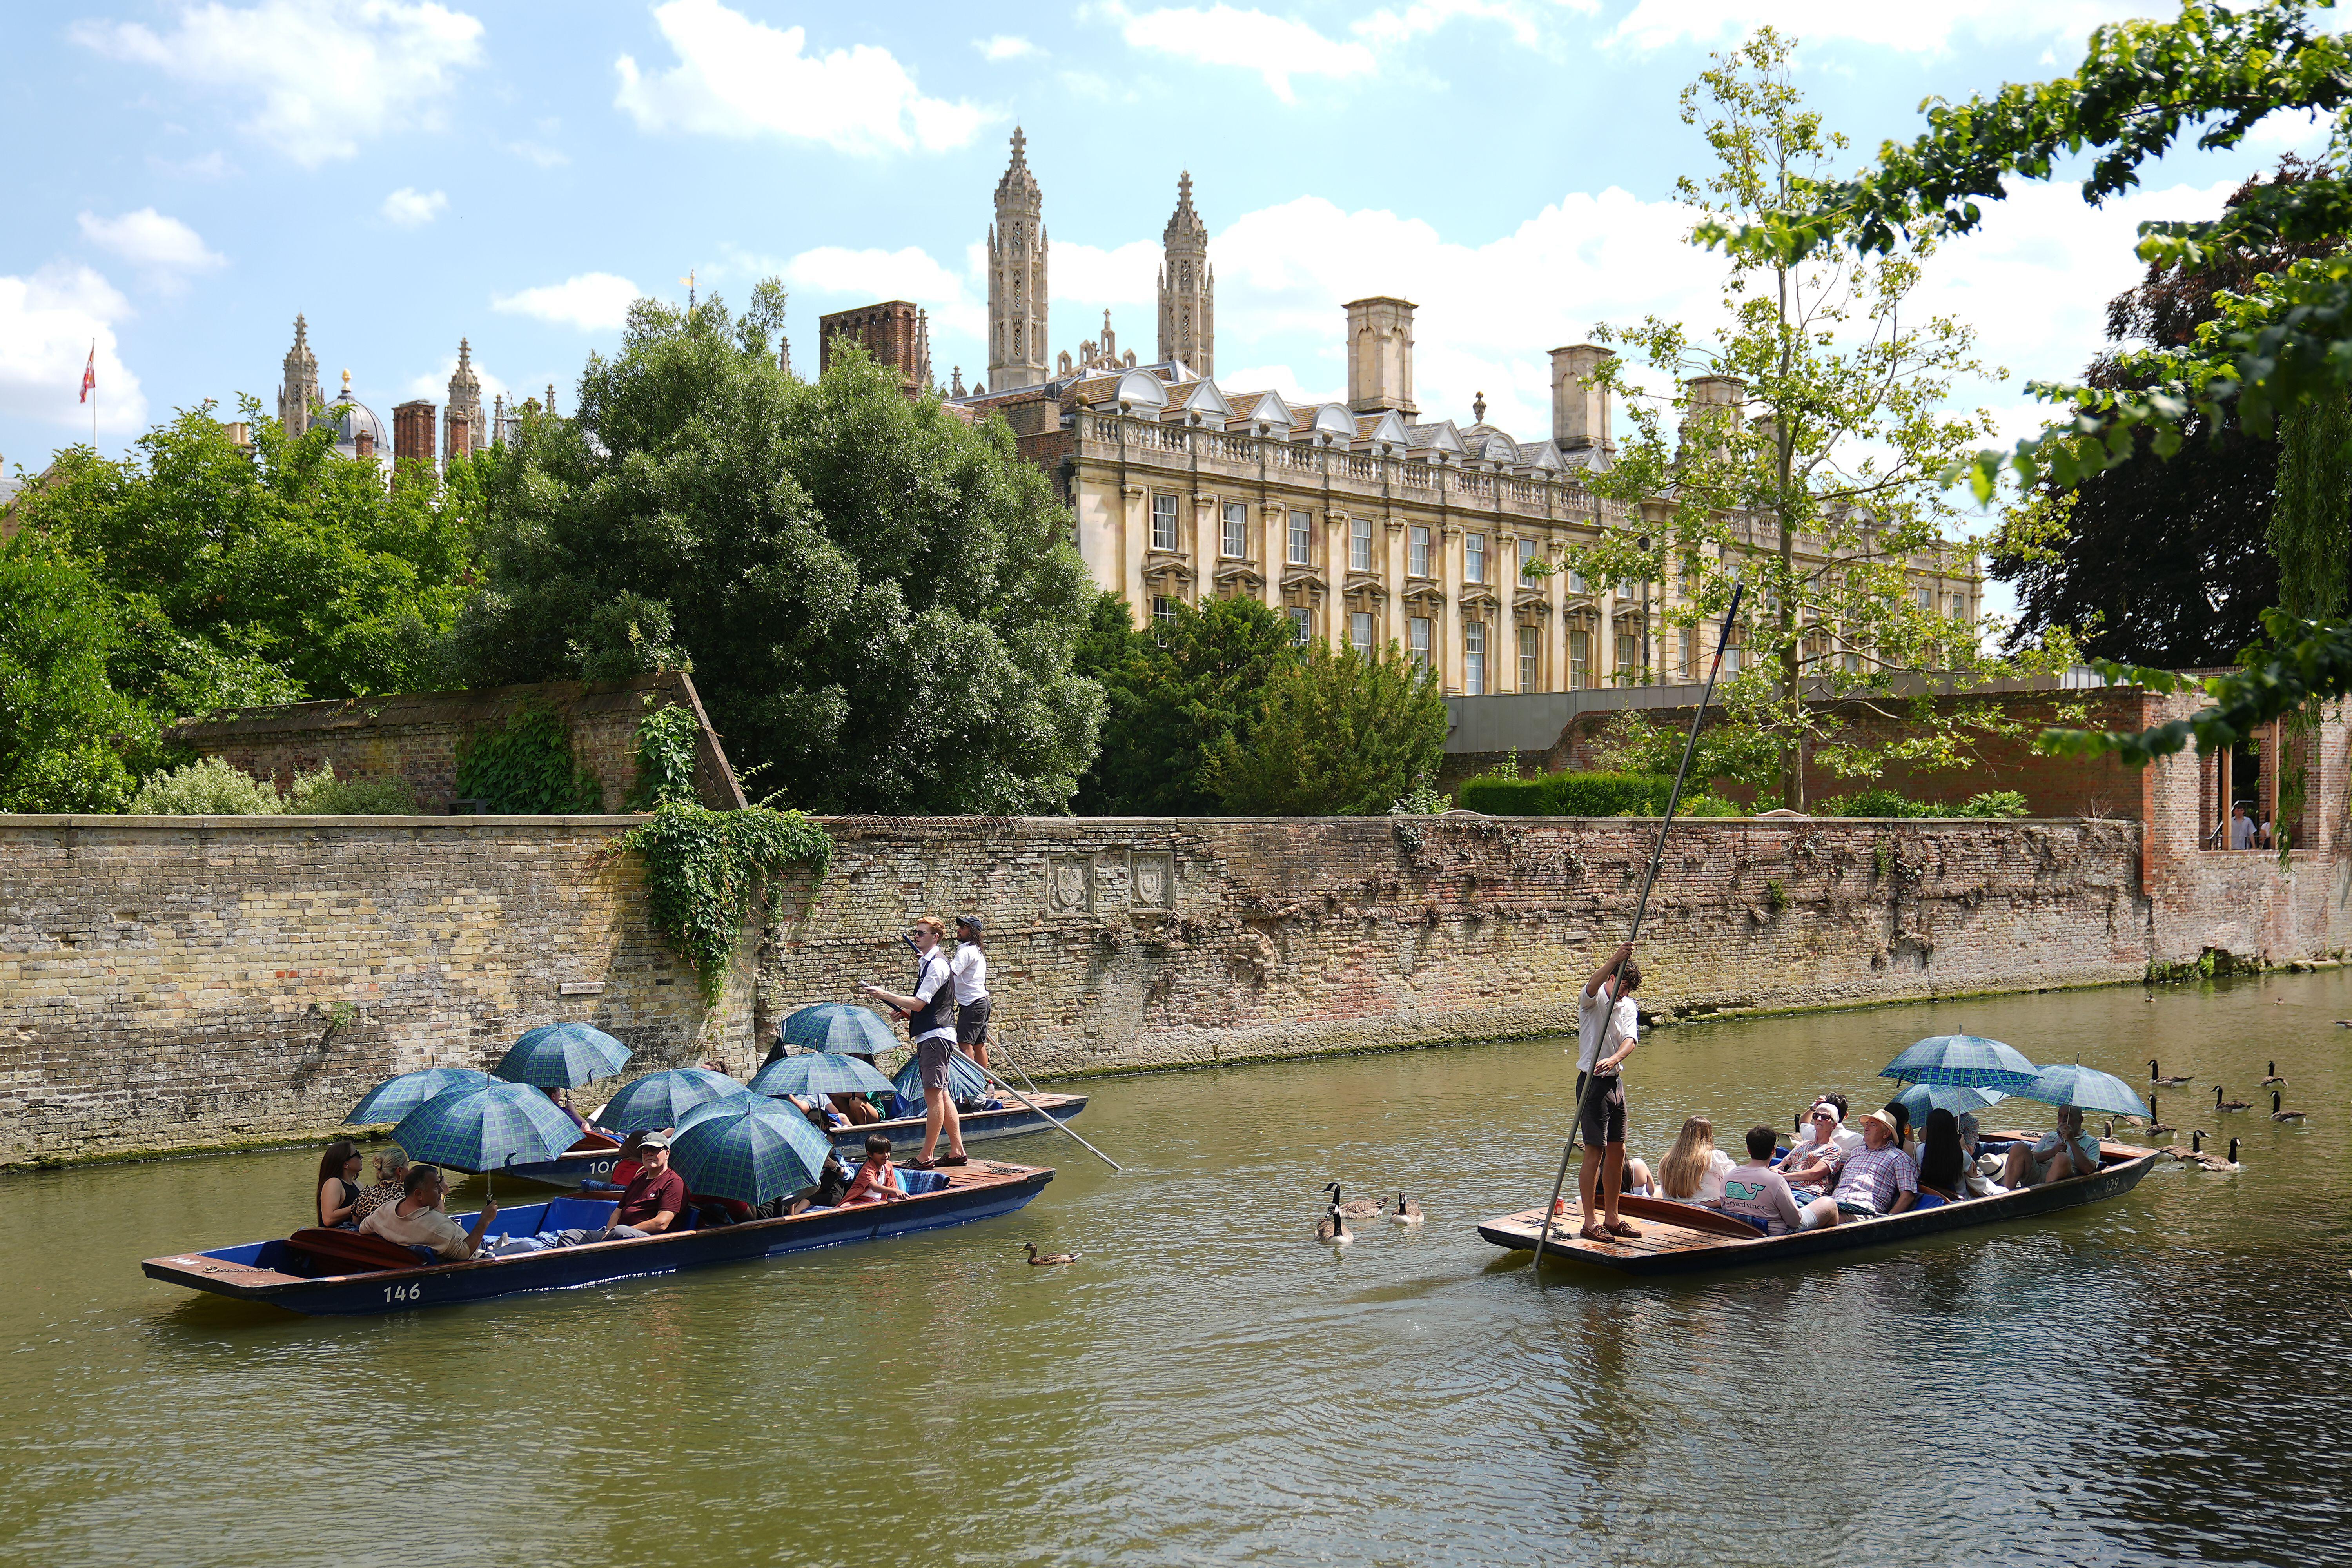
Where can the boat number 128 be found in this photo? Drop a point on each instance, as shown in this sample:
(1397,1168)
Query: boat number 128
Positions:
(403,1292)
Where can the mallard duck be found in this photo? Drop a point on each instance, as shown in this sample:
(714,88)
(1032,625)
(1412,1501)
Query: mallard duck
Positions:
(1355,1208)
(2204,1161)
(2221,1104)
(2272,1068)
(2157,1129)
(2279,1115)
(1331,1230)
(2162,1082)
(1048,1259)
(1407,1211)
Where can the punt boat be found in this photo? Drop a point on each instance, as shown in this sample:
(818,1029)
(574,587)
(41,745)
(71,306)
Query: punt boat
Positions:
(342,1273)
(1682,1238)
(593,1157)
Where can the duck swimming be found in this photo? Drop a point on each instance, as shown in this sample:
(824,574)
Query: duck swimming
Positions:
(2272,1068)
(1355,1208)
(2215,1163)
(1049,1259)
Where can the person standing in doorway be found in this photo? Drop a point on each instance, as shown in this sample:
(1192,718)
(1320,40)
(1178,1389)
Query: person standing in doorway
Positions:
(970,969)
(929,1013)
(2242,828)
(1606,1027)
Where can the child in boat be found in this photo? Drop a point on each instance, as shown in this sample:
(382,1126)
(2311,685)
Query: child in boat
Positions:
(1760,1194)
(876,1179)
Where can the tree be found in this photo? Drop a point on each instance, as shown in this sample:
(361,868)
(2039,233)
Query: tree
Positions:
(878,601)
(68,738)
(1344,733)
(1176,693)
(1811,472)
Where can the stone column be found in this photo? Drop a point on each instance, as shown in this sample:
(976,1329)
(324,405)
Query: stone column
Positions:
(1135,529)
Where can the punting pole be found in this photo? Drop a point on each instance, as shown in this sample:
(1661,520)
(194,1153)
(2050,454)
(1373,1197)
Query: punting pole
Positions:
(1649,879)
(990,1074)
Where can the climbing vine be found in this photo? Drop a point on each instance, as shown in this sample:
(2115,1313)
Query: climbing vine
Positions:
(705,867)
(665,745)
(524,767)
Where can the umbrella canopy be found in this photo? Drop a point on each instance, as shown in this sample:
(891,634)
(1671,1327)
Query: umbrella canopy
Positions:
(739,1105)
(819,1072)
(659,1098)
(1963,1061)
(2070,1083)
(1923,1097)
(396,1097)
(749,1156)
(563,1056)
(482,1128)
(840,1027)
(965,1080)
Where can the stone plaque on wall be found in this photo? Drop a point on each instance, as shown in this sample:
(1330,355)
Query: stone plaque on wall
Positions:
(1155,881)
(1069,885)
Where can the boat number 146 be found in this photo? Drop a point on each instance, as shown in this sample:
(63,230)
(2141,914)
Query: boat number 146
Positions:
(403,1292)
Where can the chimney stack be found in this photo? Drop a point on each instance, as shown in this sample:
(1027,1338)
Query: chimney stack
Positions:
(1713,401)
(1379,356)
(412,432)
(1580,404)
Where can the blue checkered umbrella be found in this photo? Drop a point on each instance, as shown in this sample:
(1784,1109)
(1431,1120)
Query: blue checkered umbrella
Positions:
(396,1097)
(819,1072)
(1963,1061)
(484,1127)
(563,1056)
(965,1080)
(2070,1083)
(749,1156)
(737,1105)
(660,1098)
(1923,1097)
(838,1027)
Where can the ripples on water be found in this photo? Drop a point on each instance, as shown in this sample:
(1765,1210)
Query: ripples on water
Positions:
(2162,1377)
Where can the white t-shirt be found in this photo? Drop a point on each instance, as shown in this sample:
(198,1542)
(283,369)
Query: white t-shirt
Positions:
(1710,1181)
(1594,1016)
(971,971)
(425,1227)
(1843,1142)
(2242,833)
(927,980)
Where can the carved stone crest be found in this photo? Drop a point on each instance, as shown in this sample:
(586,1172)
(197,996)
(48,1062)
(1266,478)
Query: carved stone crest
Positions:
(1069,885)
(1155,881)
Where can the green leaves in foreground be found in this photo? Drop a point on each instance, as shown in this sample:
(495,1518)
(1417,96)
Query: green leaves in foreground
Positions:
(704,868)
(2275,681)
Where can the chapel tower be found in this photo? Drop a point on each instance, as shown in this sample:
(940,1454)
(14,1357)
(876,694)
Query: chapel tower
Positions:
(465,433)
(1188,288)
(299,393)
(1016,277)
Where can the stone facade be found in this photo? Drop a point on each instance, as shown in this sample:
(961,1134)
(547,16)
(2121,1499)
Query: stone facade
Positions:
(298,389)
(1018,252)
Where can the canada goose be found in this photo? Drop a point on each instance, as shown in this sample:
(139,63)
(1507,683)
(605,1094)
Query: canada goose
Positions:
(1407,1213)
(2221,1104)
(2157,1129)
(2204,1161)
(2107,1131)
(2162,1082)
(1355,1208)
(2278,1115)
(2272,1068)
(1331,1230)
(1048,1259)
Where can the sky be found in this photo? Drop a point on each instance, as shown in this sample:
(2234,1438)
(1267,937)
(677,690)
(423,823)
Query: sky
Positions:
(186,177)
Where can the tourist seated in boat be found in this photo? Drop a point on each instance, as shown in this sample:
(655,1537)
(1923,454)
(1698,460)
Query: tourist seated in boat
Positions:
(876,1179)
(419,1220)
(1903,1137)
(1760,1194)
(1944,1166)
(1981,1164)
(2066,1152)
(1827,1140)
(1693,1169)
(859,1110)
(1877,1179)
(339,1185)
(391,1185)
(563,1097)
(653,1197)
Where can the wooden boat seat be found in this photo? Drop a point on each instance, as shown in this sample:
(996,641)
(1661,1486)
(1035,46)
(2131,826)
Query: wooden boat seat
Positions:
(361,1254)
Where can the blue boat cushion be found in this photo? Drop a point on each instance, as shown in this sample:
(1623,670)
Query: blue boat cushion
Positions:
(579,1214)
(916,1183)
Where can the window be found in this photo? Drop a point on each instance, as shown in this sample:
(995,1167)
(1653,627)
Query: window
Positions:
(1927,600)
(1236,539)
(1163,523)
(1360,632)
(1473,558)
(1163,610)
(1474,660)
(1579,661)
(1360,544)
(1577,584)
(1417,635)
(1682,653)
(1629,658)
(1852,662)
(1960,607)
(1528,554)
(1301,533)
(1416,553)
(1301,627)
(1731,659)
(1530,649)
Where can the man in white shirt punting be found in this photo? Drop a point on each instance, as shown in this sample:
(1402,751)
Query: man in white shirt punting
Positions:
(930,1019)
(1607,1030)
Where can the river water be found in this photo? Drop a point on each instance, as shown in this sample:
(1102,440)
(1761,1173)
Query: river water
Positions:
(2160,1378)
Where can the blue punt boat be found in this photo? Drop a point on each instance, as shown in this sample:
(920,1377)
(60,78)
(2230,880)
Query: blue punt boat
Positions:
(591,1158)
(342,1273)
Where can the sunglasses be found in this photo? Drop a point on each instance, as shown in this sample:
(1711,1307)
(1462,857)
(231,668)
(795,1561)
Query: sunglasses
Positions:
(1823,1115)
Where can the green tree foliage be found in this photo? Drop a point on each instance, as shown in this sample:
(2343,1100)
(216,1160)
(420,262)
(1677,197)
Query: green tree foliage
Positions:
(524,767)
(1343,734)
(1176,693)
(1631,743)
(666,739)
(705,869)
(209,786)
(69,739)
(876,599)
(2310,533)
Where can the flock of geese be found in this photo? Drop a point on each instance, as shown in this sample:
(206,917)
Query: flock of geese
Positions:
(2194,1155)
(1332,1230)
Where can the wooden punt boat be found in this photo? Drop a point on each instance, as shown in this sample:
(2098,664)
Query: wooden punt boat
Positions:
(1681,1238)
(344,1273)
(591,1158)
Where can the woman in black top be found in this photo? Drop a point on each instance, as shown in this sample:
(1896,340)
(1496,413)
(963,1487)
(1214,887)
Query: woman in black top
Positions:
(339,1184)
(1942,1165)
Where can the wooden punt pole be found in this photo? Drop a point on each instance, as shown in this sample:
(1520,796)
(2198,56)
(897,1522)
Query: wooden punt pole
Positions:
(1642,907)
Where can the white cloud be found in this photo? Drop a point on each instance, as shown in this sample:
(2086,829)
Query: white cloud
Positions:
(48,323)
(535,152)
(1004,46)
(1403,23)
(592,301)
(435,384)
(736,77)
(213,165)
(326,77)
(1276,47)
(1923,27)
(165,250)
(408,207)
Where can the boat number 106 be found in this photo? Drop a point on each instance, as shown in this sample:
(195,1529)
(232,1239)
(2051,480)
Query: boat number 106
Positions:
(403,1292)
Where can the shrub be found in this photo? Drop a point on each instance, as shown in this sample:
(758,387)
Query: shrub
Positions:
(1569,794)
(2000,804)
(1873,802)
(524,768)
(208,786)
(666,744)
(323,794)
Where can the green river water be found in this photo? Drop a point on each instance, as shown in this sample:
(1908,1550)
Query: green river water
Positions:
(2159,1378)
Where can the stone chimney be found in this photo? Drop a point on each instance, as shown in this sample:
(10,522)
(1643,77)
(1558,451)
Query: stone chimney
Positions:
(1379,356)
(412,432)
(1716,402)
(1580,404)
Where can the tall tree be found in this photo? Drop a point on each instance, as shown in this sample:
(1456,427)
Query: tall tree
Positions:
(878,601)
(1177,692)
(1344,734)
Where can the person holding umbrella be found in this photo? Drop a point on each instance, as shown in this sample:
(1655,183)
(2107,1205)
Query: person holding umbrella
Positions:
(2068,1151)
(929,1013)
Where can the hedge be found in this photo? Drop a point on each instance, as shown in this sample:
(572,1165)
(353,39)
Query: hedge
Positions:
(1568,794)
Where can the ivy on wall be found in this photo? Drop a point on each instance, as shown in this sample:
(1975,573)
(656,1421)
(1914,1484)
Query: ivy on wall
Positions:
(705,867)
(525,768)
(666,746)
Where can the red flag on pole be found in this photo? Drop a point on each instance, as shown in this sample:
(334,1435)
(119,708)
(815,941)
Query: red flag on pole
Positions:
(90,374)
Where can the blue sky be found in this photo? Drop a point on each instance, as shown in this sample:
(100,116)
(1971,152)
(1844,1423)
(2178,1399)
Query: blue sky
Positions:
(186,177)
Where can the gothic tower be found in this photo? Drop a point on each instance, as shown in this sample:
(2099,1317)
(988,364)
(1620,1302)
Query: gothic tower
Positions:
(1016,277)
(299,395)
(465,433)
(1188,288)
